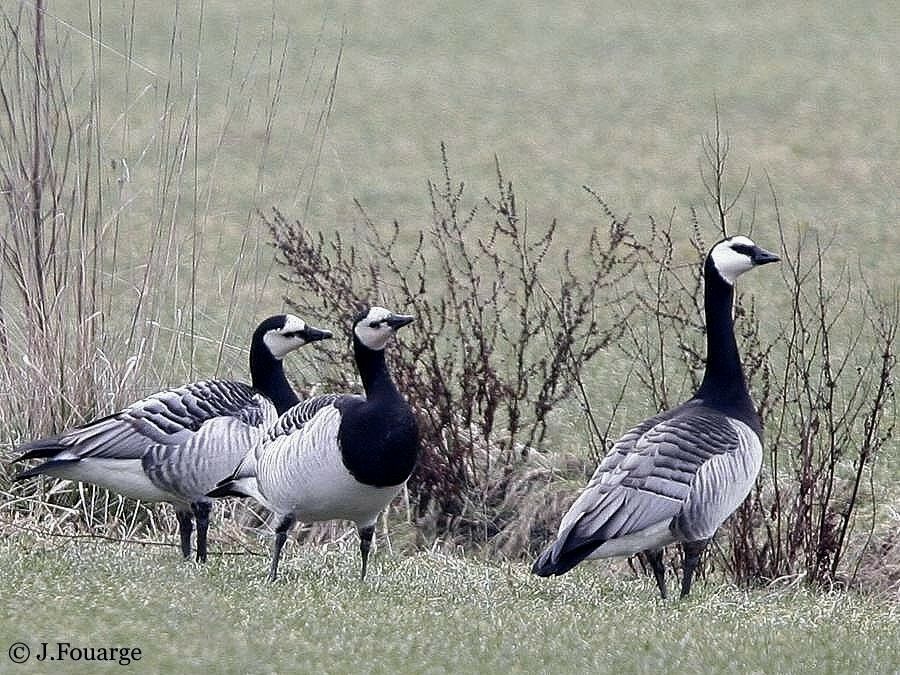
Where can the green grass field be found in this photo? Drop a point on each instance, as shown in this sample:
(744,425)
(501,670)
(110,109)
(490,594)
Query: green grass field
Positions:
(610,96)
(614,97)
(426,613)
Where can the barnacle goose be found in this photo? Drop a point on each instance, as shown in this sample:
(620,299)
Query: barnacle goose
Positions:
(676,476)
(337,456)
(175,445)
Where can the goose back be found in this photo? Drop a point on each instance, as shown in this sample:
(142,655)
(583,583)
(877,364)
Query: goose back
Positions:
(173,437)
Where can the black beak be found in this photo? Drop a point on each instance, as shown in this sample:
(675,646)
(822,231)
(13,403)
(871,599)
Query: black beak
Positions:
(396,321)
(762,257)
(311,334)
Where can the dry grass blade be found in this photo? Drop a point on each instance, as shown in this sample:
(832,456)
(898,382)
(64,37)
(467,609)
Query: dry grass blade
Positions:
(109,282)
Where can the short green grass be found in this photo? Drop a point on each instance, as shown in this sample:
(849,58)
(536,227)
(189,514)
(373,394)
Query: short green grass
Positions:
(613,96)
(428,613)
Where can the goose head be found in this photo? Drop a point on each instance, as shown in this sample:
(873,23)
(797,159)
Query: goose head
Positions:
(733,256)
(375,326)
(283,333)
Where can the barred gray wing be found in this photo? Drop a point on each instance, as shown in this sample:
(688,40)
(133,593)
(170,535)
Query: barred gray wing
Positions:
(168,418)
(296,417)
(211,453)
(649,475)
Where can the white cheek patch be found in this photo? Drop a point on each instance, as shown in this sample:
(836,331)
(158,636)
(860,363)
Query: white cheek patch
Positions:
(277,344)
(377,314)
(729,262)
(373,338)
(293,323)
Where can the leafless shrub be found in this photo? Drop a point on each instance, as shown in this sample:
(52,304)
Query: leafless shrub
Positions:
(503,317)
(828,408)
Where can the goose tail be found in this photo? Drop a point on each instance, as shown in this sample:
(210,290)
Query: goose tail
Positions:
(240,488)
(556,560)
(55,467)
(234,487)
(41,449)
(563,554)
(241,483)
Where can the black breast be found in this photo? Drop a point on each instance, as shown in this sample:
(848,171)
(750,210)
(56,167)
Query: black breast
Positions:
(379,443)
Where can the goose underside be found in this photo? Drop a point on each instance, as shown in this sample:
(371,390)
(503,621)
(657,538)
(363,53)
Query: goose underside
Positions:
(358,503)
(567,552)
(123,476)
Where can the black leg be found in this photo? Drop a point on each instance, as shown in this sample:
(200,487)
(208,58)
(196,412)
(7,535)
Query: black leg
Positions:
(365,544)
(185,527)
(281,532)
(201,512)
(655,558)
(692,551)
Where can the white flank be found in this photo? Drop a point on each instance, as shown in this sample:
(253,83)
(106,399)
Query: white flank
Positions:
(721,484)
(125,476)
(211,454)
(302,473)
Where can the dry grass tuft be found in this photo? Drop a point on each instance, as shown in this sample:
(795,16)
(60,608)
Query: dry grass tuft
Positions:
(109,288)
(879,565)
(512,508)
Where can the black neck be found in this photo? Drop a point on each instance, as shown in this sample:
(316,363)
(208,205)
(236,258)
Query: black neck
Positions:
(268,378)
(373,370)
(724,380)
(379,437)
